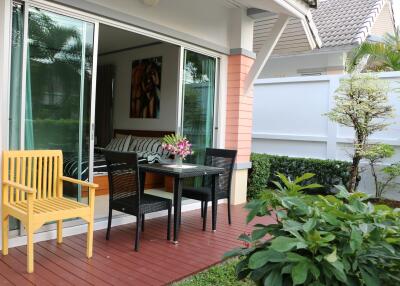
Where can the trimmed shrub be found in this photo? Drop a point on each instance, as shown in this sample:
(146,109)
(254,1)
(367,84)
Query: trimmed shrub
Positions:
(259,175)
(328,173)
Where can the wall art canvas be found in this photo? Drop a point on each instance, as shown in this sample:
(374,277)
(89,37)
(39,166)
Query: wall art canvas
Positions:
(146,88)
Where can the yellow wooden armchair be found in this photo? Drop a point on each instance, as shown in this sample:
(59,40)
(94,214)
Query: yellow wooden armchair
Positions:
(33,194)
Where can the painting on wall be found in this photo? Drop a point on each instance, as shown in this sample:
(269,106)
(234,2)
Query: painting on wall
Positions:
(146,88)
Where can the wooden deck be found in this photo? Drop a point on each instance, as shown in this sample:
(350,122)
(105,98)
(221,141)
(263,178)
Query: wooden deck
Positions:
(114,262)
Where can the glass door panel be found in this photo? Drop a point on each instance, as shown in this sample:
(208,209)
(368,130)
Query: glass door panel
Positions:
(198,102)
(58,87)
(55,97)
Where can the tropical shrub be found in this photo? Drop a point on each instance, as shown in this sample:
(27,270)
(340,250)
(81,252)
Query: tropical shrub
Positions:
(375,155)
(320,240)
(381,56)
(361,103)
(264,168)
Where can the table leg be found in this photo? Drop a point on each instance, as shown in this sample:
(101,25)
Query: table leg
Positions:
(215,181)
(177,207)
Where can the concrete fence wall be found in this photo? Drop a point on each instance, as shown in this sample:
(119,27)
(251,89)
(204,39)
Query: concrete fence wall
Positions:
(289,120)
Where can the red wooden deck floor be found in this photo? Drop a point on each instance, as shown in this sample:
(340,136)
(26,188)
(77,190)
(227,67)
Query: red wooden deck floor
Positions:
(114,262)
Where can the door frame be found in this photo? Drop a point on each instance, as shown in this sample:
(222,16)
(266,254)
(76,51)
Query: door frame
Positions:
(221,67)
(221,75)
(181,96)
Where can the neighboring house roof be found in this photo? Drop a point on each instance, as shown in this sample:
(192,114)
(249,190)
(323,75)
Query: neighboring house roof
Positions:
(336,23)
(346,22)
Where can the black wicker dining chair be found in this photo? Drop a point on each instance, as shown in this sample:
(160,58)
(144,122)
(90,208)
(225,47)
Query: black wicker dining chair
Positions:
(221,158)
(125,195)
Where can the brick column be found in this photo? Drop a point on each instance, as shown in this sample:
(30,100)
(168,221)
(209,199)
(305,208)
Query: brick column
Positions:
(239,117)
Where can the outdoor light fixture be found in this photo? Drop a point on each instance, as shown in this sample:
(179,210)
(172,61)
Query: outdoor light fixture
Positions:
(150,2)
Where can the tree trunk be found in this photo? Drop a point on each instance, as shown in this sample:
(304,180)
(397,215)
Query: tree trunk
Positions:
(375,175)
(354,173)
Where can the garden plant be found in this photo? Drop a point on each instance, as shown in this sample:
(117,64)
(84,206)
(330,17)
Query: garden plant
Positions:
(386,178)
(380,56)
(320,240)
(361,103)
(328,173)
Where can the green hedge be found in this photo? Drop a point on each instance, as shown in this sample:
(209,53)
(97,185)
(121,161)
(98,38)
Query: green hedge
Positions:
(264,167)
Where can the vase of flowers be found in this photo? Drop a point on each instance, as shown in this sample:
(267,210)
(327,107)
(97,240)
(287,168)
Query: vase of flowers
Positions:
(178,146)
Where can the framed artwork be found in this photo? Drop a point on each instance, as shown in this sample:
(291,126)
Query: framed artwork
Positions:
(146,88)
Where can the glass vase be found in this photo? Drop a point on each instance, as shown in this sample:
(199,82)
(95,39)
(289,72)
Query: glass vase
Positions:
(179,161)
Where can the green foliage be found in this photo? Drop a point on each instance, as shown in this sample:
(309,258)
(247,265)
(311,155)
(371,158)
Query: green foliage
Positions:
(320,240)
(390,173)
(265,167)
(259,175)
(173,139)
(383,56)
(361,100)
(375,154)
(361,103)
(222,274)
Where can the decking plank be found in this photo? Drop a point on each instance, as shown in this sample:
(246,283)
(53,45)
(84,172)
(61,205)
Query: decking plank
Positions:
(114,262)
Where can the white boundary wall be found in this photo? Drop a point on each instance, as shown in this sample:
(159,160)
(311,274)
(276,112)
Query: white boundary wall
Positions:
(288,119)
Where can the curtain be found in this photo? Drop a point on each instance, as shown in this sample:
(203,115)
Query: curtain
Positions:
(104,104)
(208,93)
(198,106)
(29,137)
(16,71)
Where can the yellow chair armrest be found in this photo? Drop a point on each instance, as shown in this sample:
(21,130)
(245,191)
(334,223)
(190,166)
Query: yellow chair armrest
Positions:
(79,182)
(19,187)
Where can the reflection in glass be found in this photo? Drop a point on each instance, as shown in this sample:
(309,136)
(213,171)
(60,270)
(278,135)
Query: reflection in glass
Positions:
(58,85)
(198,103)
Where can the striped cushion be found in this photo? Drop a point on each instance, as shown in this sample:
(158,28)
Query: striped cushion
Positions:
(119,144)
(149,148)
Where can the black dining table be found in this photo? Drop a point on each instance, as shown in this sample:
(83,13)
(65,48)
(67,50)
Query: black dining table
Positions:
(179,174)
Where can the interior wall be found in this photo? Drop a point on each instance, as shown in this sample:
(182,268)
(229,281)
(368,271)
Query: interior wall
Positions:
(169,87)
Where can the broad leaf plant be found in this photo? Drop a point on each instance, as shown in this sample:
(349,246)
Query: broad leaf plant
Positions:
(319,240)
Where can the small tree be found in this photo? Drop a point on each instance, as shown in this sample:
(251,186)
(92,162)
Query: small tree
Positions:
(362,104)
(390,173)
(375,154)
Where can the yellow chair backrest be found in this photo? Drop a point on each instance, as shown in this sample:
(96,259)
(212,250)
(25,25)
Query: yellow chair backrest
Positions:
(37,169)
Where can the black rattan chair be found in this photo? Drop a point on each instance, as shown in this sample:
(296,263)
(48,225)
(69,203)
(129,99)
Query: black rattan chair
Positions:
(221,158)
(125,194)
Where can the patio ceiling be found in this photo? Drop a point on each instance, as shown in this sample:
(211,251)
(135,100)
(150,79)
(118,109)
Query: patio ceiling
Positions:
(300,34)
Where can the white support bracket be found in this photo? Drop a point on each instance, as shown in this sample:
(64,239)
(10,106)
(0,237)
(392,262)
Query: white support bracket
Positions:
(266,51)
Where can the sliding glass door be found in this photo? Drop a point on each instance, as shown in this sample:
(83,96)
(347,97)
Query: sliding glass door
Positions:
(51,86)
(199,89)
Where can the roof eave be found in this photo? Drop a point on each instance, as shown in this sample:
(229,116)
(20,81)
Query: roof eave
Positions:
(302,10)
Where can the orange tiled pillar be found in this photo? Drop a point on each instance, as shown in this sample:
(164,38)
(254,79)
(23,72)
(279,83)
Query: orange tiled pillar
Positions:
(239,118)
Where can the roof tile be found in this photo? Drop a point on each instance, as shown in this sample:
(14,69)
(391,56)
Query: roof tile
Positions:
(344,22)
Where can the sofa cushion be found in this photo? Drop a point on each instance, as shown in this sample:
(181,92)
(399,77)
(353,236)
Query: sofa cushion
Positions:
(119,144)
(148,146)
